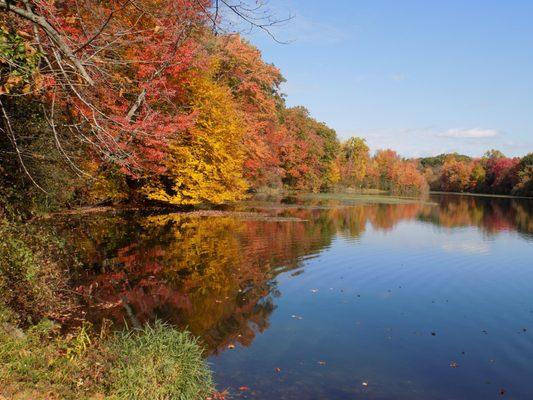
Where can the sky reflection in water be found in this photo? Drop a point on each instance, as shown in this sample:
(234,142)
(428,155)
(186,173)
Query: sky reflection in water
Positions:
(348,298)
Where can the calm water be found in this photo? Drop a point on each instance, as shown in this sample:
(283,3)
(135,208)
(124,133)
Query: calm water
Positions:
(319,298)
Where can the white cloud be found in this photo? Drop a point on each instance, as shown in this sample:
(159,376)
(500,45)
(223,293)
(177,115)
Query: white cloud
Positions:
(398,77)
(475,133)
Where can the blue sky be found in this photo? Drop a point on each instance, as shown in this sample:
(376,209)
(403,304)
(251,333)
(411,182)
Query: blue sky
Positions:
(421,77)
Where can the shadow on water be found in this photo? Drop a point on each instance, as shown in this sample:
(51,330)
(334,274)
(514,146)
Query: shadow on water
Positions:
(222,277)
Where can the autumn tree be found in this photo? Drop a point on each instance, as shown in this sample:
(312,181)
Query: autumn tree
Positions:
(255,88)
(107,78)
(308,151)
(525,176)
(109,73)
(385,161)
(205,163)
(493,154)
(354,159)
(502,174)
(478,175)
(455,175)
(392,173)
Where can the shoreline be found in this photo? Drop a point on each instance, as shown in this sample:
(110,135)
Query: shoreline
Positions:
(500,196)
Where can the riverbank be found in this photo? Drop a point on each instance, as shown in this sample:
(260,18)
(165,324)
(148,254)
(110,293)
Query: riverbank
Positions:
(501,196)
(48,350)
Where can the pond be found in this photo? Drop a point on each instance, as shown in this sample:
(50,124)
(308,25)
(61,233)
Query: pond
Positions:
(329,297)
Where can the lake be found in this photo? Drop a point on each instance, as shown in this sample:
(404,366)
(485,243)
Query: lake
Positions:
(329,296)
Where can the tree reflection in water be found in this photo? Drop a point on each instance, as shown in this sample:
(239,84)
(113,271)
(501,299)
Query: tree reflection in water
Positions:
(216,275)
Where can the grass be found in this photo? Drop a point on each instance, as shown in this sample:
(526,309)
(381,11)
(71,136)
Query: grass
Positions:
(159,363)
(32,364)
(38,361)
(155,362)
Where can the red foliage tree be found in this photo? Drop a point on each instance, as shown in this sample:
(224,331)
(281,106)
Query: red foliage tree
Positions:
(502,174)
(111,74)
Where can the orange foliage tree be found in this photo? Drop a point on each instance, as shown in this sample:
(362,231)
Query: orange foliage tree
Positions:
(255,88)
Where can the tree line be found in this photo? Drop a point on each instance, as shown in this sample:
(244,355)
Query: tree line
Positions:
(148,100)
(493,173)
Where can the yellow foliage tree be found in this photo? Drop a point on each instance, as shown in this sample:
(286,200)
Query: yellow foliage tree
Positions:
(205,164)
(354,161)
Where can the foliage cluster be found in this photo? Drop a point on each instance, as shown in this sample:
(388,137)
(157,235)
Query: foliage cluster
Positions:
(120,101)
(19,62)
(31,277)
(385,170)
(492,173)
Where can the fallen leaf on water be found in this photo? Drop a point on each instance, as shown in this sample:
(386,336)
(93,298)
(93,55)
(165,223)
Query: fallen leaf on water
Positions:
(321,363)
(218,395)
(277,369)
(244,388)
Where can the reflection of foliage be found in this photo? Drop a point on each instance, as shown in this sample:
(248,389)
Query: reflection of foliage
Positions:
(190,270)
(491,215)
(215,275)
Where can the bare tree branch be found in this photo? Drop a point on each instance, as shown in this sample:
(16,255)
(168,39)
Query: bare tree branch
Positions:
(136,105)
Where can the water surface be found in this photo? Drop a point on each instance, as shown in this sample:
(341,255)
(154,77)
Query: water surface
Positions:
(330,297)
